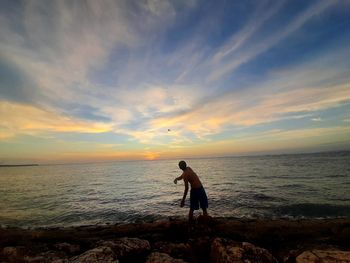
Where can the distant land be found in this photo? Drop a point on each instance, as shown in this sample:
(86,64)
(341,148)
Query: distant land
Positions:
(16,165)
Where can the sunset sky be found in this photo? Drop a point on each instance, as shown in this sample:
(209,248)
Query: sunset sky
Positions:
(152,79)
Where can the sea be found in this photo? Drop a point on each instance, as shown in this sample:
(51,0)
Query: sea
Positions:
(291,186)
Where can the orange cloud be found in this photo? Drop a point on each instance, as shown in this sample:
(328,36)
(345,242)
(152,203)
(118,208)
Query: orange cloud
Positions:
(243,109)
(26,119)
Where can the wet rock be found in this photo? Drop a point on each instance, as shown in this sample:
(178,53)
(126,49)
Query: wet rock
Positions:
(290,256)
(200,248)
(22,254)
(96,255)
(177,250)
(59,261)
(68,248)
(223,250)
(13,254)
(54,256)
(320,256)
(34,259)
(125,247)
(157,257)
(257,253)
(205,220)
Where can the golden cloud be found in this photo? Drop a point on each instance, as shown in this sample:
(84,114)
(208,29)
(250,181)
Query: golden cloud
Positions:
(245,109)
(27,119)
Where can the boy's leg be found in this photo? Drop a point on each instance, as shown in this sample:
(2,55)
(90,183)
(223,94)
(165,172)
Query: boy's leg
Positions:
(204,202)
(205,212)
(190,215)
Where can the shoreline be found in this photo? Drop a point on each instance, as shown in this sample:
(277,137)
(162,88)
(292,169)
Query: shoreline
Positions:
(283,238)
(18,165)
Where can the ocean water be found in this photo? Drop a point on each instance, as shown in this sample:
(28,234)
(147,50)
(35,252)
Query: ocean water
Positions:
(280,186)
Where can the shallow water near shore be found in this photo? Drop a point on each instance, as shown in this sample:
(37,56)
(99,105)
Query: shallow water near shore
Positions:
(280,186)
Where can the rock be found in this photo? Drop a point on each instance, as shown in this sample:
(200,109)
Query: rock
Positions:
(59,261)
(54,256)
(177,250)
(200,248)
(20,254)
(157,257)
(204,219)
(257,253)
(320,256)
(290,256)
(68,248)
(223,250)
(35,259)
(13,254)
(124,247)
(96,255)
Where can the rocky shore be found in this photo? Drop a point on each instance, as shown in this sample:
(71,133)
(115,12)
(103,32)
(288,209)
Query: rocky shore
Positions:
(208,240)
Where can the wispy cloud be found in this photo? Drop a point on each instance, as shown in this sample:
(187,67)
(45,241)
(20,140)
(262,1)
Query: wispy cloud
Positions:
(285,97)
(243,56)
(62,41)
(255,22)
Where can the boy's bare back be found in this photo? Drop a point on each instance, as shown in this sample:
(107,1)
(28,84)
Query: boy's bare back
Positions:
(190,176)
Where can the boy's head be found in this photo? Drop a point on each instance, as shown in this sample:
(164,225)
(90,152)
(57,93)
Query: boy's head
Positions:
(182,165)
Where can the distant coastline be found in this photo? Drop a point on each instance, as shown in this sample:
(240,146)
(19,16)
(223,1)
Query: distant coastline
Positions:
(16,165)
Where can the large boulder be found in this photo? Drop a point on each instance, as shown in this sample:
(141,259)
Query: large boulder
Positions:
(177,250)
(96,255)
(226,251)
(68,248)
(13,254)
(125,247)
(22,254)
(323,256)
(54,256)
(157,257)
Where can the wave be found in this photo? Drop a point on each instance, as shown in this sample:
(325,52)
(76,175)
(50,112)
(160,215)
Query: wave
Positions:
(313,210)
(258,197)
(336,176)
(292,186)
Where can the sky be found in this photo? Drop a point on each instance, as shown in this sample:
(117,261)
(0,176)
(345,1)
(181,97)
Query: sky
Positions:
(84,81)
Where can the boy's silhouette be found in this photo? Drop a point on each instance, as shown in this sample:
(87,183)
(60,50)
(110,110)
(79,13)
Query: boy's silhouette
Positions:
(198,197)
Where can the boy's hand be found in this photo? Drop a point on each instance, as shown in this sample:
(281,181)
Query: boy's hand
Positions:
(175,181)
(182,203)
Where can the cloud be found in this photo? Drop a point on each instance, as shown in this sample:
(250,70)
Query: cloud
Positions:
(15,85)
(26,119)
(240,108)
(256,21)
(245,55)
(160,8)
(61,41)
(305,139)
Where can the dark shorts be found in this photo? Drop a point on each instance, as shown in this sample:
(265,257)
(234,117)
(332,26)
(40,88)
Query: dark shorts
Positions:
(198,197)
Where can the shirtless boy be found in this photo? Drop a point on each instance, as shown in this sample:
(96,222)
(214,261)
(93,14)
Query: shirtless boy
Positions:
(197,194)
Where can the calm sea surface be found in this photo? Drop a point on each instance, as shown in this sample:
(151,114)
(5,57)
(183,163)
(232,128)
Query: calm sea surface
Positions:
(293,186)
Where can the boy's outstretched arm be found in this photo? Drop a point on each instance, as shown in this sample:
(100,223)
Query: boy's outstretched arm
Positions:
(178,179)
(185,193)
